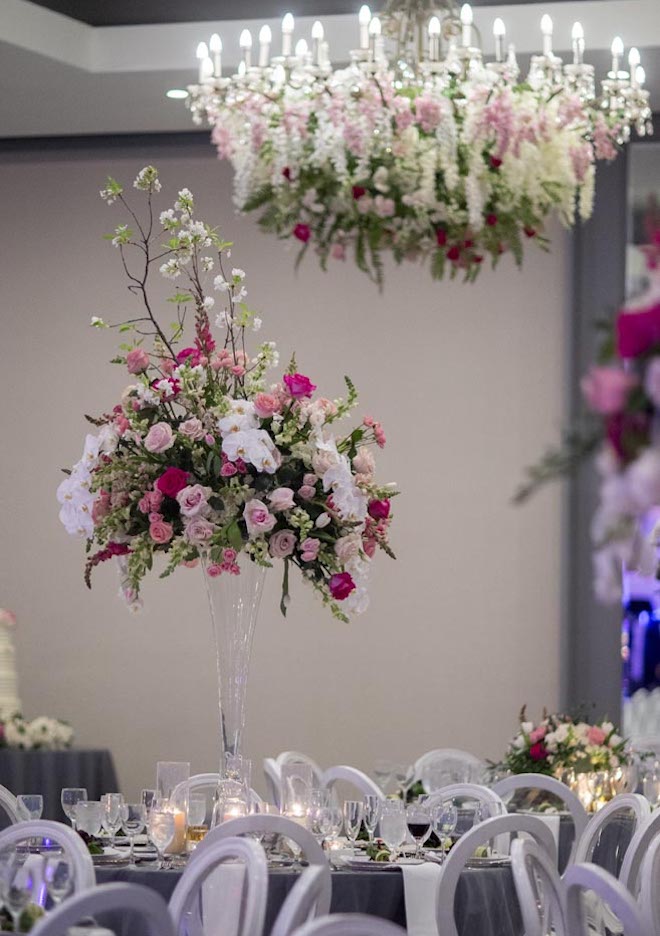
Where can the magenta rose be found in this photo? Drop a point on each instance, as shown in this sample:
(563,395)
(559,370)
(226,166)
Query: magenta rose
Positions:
(299,386)
(137,361)
(258,518)
(341,585)
(538,751)
(160,531)
(193,500)
(281,499)
(282,544)
(302,232)
(606,389)
(266,405)
(172,481)
(160,438)
(379,509)
(636,332)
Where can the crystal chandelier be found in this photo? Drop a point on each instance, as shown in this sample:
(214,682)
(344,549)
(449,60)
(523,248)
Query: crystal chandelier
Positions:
(419,146)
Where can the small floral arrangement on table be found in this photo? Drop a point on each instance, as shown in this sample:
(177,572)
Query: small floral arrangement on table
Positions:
(559,743)
(622,392)
(203,457)
(41,733)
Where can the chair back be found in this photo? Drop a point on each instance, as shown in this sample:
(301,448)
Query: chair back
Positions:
(261,824)
(73,847)
(539,888)
(300,904)
(649,892)
(615,809)
(295,757)
(241,907)
(273,772)
(9,804)
(647,832)
(480,794)
(532,781)
(464,849)
(204,781)
(345,774)
(589,877)
(444,766)
(142,900)
(350,924)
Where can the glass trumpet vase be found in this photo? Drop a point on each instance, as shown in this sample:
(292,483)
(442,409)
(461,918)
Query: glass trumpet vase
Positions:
(234,602)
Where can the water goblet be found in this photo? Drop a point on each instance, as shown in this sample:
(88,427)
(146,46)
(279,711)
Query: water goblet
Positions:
(318,801)
(393,825)
(371,814)
(58,876)
(69,797)
(353,810)
(444,818)
(111,804)
(160,828)
(133,820)
(418,819)
(334,820)
(89,816)
(18,888)
(30,806)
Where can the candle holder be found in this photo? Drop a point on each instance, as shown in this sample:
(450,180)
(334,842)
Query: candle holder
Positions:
(297,784)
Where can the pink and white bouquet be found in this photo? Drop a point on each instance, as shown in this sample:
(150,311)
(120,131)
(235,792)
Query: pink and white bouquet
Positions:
(203,457)
(559,743)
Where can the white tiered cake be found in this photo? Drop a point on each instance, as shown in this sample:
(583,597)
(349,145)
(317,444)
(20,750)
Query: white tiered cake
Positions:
(10,704)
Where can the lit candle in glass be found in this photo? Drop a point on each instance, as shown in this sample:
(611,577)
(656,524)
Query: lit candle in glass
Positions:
(265,39)
(434,39)
(546,30)
(287,34)
(317,39)
(577,37)
(202,53)
(215,45)
(178,844)
(375,30)
(364,18)
(466,24)
(245,42)
(633,64)
(499,32)
(617,52)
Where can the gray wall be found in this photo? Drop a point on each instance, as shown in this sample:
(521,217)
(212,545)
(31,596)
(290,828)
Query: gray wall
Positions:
(462,630)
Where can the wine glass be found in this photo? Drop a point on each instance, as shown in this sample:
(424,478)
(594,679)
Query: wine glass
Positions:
(111,804)
(30,806)
(69,797)
(133,820)
(444,818)
(89,816)
(418,819)
(383,770)
(161,829)
(371,814)
(393,825)
(335,820)
(404,777)
(58,876)
(353,810)
(148,799)
(18,886)
(316,813)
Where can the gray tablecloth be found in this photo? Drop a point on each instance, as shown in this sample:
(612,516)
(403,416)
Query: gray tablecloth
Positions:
(46,772)
(486,903)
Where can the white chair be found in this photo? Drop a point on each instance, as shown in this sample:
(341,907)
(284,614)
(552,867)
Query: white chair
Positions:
(73,847)
(9,804)
(110,897)
(649,892)
(464,849)
(300,903)
(357,779)
(273,772)
(477,793)
(589,877)
(204,781)
(259,824)
(444,766)
(615,809)
(539,888)
(248,885)
(532,781)
(636,852)
(350,924)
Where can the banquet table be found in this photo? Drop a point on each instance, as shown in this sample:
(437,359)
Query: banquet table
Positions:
(47,772)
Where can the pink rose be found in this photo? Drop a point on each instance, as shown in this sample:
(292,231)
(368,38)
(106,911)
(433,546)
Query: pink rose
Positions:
(306,492)
(160,438)
(229,555)
(282,544)
(257,518)
(606,389)
(596,735)
(199,531)
(309,549)
(341,585)
(192,429)
(228,470)
(310,480)
(160,531)
(193,500)
(298,385)
(379,509)
(171,482)
(137,361)
(214,570)
(281,499)
(347,547)
(538,734)
(266,405)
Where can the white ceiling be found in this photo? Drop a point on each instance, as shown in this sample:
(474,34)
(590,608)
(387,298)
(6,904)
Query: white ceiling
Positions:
(61,77)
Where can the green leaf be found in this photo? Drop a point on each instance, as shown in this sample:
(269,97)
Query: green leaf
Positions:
(285,588)
(234,536)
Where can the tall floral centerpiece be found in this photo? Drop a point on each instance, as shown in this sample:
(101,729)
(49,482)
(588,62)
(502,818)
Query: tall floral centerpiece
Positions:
(204,460)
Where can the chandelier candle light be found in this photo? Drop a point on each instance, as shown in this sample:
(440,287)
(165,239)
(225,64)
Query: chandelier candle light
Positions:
(419,147)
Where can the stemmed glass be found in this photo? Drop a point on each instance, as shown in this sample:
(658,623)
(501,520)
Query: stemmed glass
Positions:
(371,814)
(335,820)
(89,816)
(18,885)
(30,806)
(160,828)
(353,810)
(317,814)
(70,796)
(58,877)
(133,820)
(418,819)
(111,804)
(393,825)
(383,770)
(444,818)
(404,777)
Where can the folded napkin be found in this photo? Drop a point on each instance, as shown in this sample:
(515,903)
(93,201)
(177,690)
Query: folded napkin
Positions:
(420,888)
